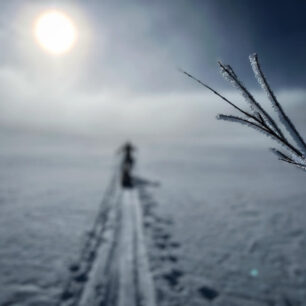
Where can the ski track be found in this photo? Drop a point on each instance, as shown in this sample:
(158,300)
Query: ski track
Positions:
(113,268)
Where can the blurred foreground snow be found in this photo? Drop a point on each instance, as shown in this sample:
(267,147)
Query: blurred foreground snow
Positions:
(227,227)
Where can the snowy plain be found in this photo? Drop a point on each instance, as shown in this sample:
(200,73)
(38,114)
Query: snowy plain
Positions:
(228,229)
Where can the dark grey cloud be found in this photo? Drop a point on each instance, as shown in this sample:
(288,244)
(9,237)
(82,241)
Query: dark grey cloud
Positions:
(195,34)
(122,77)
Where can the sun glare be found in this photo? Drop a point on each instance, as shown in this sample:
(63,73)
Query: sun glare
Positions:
(55,32)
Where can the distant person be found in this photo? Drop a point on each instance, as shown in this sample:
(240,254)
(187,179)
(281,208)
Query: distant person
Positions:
(127,164)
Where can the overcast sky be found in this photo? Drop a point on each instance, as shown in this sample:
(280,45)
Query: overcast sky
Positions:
(121,77)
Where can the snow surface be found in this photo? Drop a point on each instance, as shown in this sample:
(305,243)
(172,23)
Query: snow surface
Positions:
(225,226)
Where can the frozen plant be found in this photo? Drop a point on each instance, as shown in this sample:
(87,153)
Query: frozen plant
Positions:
(293,151)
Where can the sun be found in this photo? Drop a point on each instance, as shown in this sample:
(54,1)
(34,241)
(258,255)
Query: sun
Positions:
(55,32)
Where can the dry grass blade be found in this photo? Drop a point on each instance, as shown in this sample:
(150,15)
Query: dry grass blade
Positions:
(278,108)
(229,73)
(260,119)
(216,93)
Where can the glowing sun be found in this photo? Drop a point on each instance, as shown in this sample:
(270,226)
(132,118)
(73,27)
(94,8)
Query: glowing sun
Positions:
(55,32)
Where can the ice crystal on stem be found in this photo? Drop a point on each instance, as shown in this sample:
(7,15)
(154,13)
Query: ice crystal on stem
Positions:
(294,152)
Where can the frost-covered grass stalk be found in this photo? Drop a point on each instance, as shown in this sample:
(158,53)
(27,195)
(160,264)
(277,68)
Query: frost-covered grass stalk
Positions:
(294,150)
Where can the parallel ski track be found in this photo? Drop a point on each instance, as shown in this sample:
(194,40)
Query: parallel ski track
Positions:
(100,277)
(80,270)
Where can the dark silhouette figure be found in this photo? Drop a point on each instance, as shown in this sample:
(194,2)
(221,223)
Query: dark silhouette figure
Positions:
(127,165)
